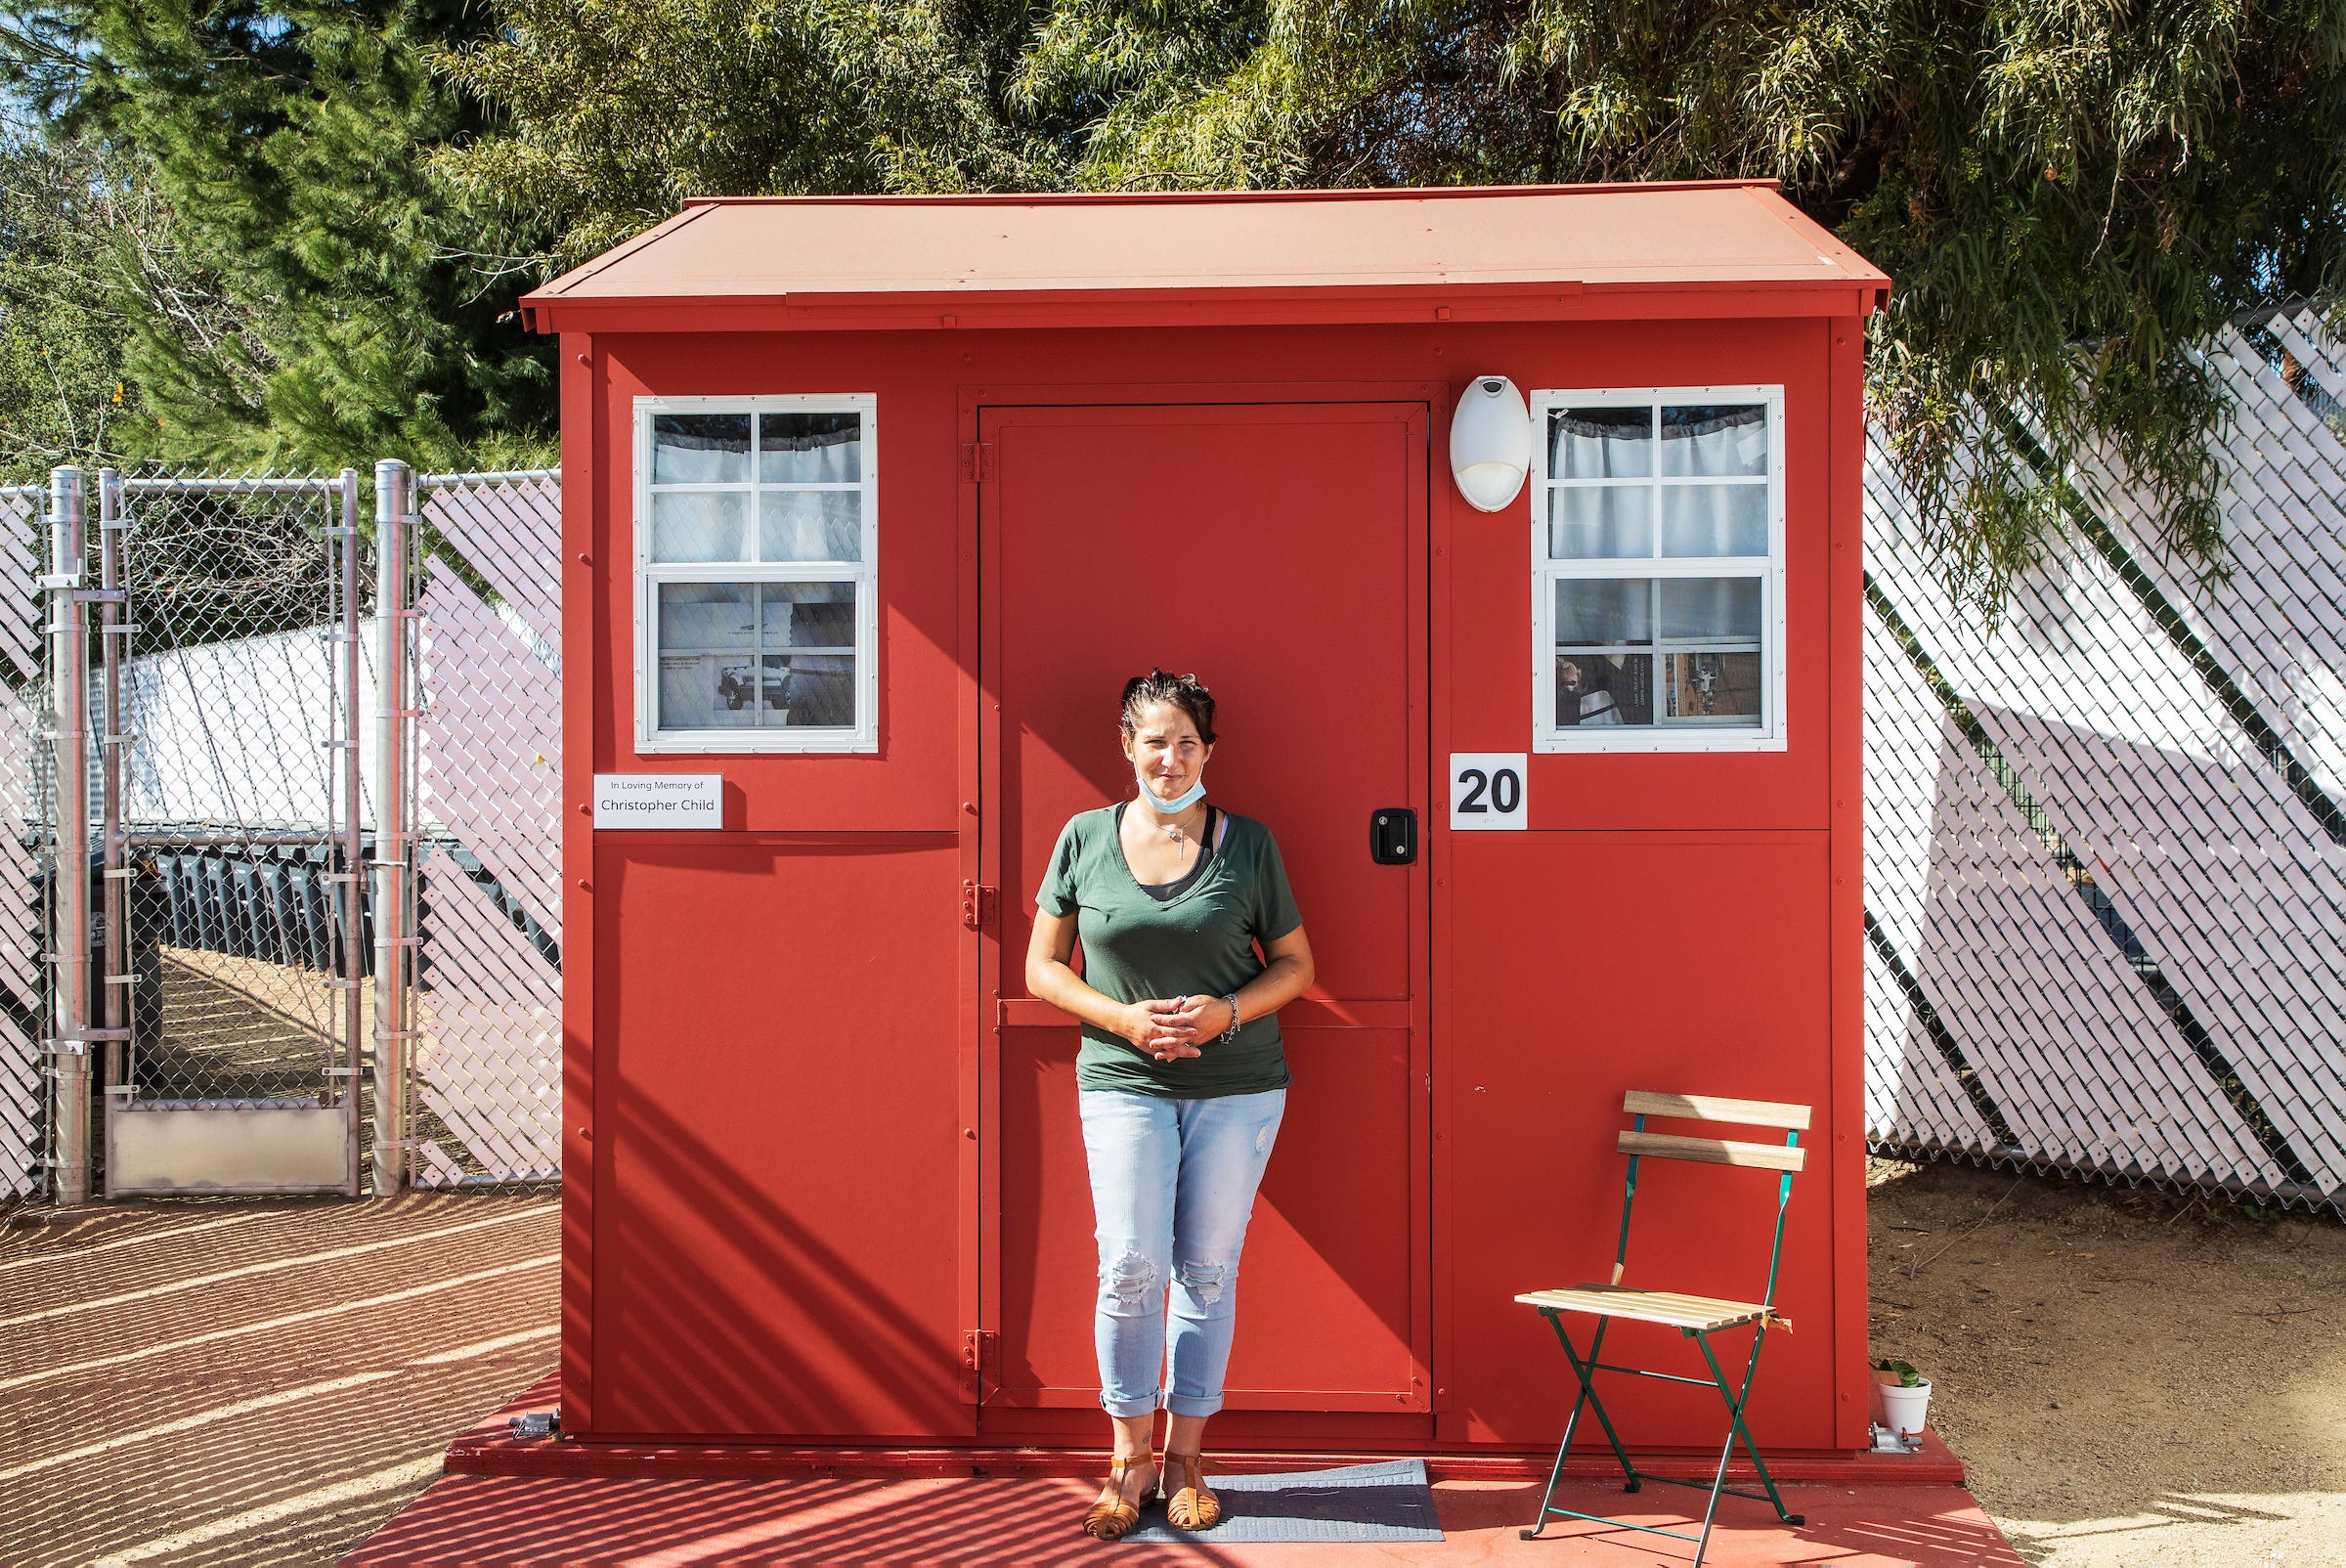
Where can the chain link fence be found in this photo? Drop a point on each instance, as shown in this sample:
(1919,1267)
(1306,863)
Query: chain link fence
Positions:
(2106,861)
(2106,900)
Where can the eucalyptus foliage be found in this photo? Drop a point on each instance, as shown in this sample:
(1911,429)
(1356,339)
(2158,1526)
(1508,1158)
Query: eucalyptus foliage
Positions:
(618,109)
(2070,193)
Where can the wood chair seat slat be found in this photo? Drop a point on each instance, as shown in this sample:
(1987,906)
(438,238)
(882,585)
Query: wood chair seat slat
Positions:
(1713,1151)
(1649,1306)
(1713,1107)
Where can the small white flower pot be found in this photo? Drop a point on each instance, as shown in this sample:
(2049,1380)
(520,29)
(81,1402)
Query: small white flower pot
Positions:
(1905,1411)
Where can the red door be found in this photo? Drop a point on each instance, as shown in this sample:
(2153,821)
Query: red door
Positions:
(1279,551)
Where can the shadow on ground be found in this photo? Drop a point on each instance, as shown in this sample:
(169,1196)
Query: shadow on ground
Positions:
(253,1382)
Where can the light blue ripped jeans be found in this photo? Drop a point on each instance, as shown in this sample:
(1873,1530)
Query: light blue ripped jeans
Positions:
(1172,1187)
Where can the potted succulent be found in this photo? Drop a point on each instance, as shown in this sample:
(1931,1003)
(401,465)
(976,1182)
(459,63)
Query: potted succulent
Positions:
(1904,1395)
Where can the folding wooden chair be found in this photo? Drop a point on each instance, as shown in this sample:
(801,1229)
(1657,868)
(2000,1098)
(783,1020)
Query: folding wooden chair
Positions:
(1696,1318)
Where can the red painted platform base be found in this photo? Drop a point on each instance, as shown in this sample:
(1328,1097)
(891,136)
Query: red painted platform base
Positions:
(491,1448)
(513,1521)
(510,1502)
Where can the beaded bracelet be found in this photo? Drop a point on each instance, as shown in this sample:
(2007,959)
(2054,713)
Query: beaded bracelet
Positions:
(1232,1032)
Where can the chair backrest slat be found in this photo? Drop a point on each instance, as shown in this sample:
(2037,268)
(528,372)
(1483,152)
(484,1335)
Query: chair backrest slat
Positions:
(1711,1107)
(1713,1151)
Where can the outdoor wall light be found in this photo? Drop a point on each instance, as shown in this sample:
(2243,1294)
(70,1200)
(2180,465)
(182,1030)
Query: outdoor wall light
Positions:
(1490,443)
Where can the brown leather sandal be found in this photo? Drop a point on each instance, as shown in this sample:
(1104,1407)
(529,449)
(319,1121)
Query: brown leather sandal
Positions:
(1112,1521)
(1195,1506)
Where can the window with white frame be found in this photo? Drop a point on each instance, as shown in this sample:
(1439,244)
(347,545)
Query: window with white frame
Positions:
(755,613)
(1657,569)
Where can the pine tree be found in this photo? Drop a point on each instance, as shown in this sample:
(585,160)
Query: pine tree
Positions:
(290,143)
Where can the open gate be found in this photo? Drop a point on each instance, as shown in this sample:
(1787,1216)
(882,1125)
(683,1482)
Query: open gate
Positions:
(206,648)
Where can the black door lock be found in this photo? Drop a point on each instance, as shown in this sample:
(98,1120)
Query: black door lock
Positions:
(1393,835)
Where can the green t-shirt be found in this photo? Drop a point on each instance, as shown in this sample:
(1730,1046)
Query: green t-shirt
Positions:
(1198,942)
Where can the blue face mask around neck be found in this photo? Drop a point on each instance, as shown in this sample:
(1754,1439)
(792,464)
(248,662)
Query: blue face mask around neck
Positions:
(1189,797)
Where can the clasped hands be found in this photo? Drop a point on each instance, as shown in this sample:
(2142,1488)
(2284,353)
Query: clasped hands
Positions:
(1172,1029)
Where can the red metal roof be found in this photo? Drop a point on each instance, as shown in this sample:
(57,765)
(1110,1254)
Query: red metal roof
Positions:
(1321,255)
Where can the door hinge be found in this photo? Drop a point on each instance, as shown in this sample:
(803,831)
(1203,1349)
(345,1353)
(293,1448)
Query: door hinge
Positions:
(981,1359)
(977,903)
(978,462)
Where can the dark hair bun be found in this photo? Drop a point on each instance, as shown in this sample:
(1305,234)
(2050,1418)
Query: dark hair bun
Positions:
(1185,692)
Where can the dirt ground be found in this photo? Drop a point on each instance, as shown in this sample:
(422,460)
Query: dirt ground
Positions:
(2135,1380)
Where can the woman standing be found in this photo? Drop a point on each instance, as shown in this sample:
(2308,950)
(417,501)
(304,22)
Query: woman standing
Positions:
(1191,944)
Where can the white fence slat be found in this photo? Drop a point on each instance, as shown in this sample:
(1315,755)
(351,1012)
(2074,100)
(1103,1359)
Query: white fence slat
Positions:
(23,820)
(2135,763)
(489,774)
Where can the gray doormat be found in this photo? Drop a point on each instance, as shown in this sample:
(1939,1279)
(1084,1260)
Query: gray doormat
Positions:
(1388,1502)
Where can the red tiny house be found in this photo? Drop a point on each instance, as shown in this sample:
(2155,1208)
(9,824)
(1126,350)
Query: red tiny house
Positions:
(823,1179)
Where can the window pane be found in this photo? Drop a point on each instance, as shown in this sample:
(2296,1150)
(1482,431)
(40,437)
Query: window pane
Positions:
(1715,439)
(808,615)
(719,664)
(1597,690)
(810,525)
(1715,519)
(707,675)
(700,449)
(814,688)
(707,527)
(810,449)
(705,691)
(1702,609)
(1602,611)
(1600,443)
(1599,521)
(703,617)
(1721,688)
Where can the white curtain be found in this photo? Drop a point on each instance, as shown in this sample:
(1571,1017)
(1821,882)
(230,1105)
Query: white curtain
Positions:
(810,449)
(1600,444)
(700,526)
(1725,519)
(1697,442)
(792,449)
(700,449)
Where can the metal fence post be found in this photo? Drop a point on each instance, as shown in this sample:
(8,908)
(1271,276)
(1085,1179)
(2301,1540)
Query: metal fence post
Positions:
(70,877)
(114,978)
(353,913)
(394,829)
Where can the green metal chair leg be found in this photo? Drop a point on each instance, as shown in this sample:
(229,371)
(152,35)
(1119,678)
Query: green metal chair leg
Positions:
(1571,1423)
(1751,1369)
(1584,1373)
(1737,1431)
(1556,1471)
